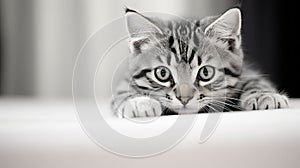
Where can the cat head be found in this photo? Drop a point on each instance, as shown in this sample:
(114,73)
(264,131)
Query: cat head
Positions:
(186,65)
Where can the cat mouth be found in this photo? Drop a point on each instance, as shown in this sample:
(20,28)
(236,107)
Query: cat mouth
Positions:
(186,110)
(183,110)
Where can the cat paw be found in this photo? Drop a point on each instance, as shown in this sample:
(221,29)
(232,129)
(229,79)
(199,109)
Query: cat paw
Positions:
(140,107)
(264,101)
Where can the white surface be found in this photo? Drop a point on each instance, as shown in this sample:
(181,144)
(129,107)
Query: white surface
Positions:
(36,133)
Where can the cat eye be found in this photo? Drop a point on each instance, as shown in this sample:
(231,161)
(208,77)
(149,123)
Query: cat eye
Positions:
(206,73)
(162,74)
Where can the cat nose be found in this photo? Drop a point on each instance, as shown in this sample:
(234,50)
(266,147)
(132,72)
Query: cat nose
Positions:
(184,100)
(184,93)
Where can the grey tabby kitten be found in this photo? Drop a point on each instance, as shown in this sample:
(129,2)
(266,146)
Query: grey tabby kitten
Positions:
(183,67)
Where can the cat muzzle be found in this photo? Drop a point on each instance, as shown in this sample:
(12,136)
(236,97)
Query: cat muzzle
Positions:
(184,93)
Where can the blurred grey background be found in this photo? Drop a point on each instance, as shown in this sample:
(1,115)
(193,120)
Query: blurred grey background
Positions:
(40,39)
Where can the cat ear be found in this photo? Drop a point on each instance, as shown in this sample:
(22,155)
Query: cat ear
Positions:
(141,30)
(228,24)
(138,24)
(227,28)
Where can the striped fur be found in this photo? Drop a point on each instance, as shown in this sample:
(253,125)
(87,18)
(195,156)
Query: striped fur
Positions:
(184,48)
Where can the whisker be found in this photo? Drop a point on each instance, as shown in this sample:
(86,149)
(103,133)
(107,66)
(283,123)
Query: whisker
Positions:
(220,106)
(231,105)
(226,103)
(223,104)
(224,107)
(229,98)
(210,108)
(214,103)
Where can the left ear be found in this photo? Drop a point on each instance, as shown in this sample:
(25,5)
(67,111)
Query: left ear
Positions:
(141,30)
(227,27)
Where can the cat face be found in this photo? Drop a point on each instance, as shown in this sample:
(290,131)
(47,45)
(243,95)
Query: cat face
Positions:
(186,65)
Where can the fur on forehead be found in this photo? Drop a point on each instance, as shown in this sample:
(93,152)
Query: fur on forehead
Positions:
(150,37)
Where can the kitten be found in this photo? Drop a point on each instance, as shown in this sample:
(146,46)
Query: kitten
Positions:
(181,67)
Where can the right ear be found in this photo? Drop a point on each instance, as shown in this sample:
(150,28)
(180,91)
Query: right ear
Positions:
(227,28)
(141,31)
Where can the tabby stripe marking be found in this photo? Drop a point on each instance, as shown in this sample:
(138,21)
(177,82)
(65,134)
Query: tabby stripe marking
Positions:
(229,72)
(199,61)
(169,59)
(173,50)
(142,73)
(154,85)
(192,55)
(171,41)
(184,57)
